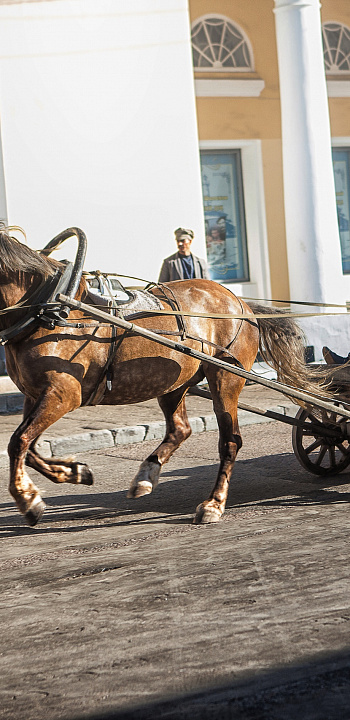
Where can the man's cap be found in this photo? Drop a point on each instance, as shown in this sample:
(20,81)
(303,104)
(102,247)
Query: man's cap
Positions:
(183,231)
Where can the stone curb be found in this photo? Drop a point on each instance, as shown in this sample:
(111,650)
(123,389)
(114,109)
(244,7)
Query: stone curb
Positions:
(11,403)
(127,435)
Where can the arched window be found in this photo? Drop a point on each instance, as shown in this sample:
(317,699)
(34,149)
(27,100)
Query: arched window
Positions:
(336,48)
(220,45)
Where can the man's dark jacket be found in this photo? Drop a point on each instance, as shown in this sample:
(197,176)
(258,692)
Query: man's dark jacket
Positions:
(172,268)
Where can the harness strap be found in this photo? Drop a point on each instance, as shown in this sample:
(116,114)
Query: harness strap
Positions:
(174,304)
(218,347)
(106,374)
(51,287)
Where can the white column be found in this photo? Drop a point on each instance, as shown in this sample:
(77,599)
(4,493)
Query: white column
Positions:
(314,256)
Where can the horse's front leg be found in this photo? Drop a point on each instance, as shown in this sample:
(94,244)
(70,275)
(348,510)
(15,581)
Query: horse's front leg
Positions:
(38,417)
(58,470)
(225,390)
(177,430)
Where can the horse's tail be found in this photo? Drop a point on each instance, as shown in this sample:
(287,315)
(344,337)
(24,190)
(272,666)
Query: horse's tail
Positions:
(282,346)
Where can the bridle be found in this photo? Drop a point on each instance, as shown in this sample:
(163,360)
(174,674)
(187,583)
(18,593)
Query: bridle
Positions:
(38,300)
(43,309)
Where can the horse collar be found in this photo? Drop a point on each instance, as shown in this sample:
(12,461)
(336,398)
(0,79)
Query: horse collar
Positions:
(45,294)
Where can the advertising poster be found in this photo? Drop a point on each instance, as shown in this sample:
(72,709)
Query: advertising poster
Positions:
(224,216)
(341,163)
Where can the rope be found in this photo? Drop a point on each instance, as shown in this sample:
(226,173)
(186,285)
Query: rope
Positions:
(228,316)
(296,302)
(213,316)
(269,300)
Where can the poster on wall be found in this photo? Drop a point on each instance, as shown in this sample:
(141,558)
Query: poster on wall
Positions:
(341,166)
(224,216)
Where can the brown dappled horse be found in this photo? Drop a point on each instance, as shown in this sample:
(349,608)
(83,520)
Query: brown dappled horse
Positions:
(59,369)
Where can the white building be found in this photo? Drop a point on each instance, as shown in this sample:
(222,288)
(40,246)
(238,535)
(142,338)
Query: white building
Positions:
(98,127)
(99,130)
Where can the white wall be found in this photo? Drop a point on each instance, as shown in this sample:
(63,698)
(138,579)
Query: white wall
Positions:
(99,130)
(3,204)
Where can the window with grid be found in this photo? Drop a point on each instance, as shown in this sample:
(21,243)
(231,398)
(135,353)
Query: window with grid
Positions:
(336,48)
(220,45)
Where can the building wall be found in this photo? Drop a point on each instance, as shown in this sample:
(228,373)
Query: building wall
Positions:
(259,118)
(99,128)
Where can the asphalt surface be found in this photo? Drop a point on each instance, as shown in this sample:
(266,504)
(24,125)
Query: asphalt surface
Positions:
(115,608)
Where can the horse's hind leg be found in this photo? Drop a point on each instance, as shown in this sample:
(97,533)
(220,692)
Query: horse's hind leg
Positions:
(37,418)
(225,389)
(177,430)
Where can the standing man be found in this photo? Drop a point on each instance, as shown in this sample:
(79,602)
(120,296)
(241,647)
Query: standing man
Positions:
(183,265)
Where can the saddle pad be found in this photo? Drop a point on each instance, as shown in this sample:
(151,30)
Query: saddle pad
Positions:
(139,300)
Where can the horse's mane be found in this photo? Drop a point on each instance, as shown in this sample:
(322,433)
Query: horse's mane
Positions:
(15,257)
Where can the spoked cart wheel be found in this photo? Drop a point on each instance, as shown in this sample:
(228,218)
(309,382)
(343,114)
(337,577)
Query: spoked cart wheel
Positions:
(322,447)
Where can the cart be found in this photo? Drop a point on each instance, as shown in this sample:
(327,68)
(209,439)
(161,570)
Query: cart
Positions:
(320,437)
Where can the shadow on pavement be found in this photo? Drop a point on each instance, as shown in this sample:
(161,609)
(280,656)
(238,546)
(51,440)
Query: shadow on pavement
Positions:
(269,482)
(316,690)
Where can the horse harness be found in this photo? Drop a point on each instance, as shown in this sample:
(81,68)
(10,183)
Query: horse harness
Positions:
(123,310)
(140,304)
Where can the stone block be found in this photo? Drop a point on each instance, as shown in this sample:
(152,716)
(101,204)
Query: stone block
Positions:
(210,422)
(155,430)
(44,448)
(82,442)
(197,424)
(250,418)
(129,434)
(14,402)
(3,404)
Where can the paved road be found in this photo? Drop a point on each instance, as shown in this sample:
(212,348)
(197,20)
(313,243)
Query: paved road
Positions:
(111,604)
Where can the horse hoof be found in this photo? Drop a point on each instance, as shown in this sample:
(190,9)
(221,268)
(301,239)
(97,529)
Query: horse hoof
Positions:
(145,480)
(84,474)
(142,488)
(35,513)
(206,514)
